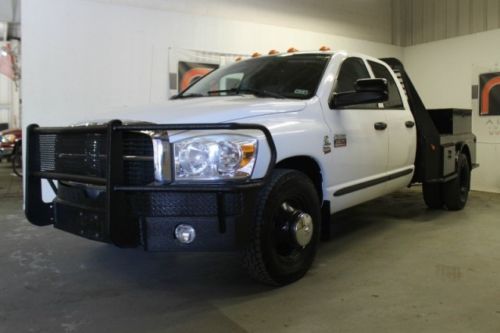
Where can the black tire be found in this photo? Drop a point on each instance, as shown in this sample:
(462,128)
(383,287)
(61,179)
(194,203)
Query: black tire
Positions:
(433,195)
(456,191)
(273,256)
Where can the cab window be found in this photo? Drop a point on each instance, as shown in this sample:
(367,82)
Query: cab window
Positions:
(380,71)
(351,70)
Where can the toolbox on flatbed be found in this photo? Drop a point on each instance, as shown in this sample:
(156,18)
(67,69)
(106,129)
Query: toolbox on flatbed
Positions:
(452,121)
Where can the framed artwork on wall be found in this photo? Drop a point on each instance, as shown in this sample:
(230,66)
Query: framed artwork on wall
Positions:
(185,66)
(489,94)
(189,72)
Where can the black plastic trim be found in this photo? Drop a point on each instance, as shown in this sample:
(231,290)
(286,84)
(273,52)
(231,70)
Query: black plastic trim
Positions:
(220,212)
(71,129)
(380,126)
(373,182)
(37,211)
(409,124)
(64,176)
(225,186)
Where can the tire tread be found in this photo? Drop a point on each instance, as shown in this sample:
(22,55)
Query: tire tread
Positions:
(253,257)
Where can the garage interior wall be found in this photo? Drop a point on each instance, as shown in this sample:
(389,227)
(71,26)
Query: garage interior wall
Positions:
(443,73)
(5,97)
(9,99)
(85,58)
(361,19)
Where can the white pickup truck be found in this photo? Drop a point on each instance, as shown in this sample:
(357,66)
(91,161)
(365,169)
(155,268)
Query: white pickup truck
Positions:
(255,156)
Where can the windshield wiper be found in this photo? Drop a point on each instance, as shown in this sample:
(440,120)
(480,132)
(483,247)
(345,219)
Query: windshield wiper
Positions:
(188,95)
(256,92)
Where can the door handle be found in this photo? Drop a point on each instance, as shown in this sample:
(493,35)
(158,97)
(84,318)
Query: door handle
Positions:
(409,124)
(380,126)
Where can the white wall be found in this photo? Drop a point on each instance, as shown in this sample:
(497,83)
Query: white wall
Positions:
(362,19)
(7,10)
(5,99)
(83,58)
(8,103)
(443,73)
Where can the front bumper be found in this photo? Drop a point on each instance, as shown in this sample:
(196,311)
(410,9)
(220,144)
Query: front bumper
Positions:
(106,208)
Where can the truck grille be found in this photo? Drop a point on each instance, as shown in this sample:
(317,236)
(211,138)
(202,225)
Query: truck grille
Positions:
(84,154)
(138,155)
(78,154)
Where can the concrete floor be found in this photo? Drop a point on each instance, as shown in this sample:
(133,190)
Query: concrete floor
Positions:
(392,266)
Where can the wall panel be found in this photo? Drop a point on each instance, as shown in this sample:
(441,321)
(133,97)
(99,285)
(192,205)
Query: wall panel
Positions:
(492,14)
(430,20)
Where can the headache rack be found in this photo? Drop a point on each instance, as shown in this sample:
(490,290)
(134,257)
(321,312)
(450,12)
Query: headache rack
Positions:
(115,157)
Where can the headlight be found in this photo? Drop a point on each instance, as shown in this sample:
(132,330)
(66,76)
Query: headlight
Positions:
(9,138)
(215,157)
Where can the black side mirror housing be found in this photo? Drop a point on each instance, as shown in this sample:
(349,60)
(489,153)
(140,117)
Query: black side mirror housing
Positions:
(366,91)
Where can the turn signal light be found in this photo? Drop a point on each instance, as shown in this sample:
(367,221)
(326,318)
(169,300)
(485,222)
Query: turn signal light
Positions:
(324,48)
(273,52)
(256,54)
(292,49)
(248,151)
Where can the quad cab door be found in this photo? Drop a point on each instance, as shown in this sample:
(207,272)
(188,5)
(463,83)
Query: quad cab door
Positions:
(401,128)
(359,139)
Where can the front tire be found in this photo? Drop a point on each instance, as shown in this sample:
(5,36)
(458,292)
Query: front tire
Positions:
(456,191)
(285,233)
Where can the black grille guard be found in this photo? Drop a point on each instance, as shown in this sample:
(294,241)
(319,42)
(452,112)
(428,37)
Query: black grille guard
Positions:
(41,213)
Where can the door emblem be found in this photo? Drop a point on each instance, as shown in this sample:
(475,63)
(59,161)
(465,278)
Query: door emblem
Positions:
(327,145)
(339,140)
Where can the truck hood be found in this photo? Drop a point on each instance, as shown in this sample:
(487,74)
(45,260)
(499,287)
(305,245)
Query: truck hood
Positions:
(210,109)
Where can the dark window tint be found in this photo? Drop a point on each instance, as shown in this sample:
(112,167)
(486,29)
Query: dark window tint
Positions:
(291,76)
(380,71)
(352,69)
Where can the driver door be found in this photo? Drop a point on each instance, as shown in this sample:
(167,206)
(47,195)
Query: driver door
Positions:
(360,141)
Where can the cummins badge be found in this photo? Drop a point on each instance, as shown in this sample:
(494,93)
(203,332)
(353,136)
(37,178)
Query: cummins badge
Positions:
(327,145)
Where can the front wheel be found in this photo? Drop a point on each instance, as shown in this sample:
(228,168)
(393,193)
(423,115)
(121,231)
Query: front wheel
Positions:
(285,233)
(456,191)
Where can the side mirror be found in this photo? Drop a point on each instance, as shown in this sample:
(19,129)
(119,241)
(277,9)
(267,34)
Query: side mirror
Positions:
(366,91)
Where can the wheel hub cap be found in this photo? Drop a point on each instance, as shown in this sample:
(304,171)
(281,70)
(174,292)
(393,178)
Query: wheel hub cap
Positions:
(303,229)
(301,225)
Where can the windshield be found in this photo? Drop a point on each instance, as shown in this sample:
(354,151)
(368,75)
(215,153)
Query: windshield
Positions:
(283,76)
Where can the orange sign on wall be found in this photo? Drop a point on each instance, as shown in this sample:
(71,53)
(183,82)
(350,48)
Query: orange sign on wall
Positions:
(489,94)
(189,72)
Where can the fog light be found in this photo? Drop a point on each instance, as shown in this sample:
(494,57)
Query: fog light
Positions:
(185,233)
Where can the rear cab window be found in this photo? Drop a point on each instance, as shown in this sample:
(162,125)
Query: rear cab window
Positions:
(394,101)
